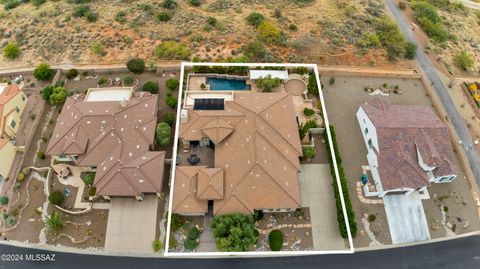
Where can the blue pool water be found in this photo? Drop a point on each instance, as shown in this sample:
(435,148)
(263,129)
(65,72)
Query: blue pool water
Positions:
(221,84)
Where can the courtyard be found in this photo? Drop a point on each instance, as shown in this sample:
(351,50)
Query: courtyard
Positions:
(342,99)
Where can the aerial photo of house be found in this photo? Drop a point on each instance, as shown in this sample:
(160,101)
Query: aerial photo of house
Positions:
(241,152)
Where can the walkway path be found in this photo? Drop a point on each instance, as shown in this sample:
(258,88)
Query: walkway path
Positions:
(317,194)
(470,4)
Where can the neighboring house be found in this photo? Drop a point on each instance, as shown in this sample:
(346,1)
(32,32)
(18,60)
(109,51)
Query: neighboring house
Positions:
(256,155)
(12,105)
(408,147)
(111,130)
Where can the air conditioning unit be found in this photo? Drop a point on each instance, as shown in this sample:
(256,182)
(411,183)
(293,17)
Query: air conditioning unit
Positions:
(183,116)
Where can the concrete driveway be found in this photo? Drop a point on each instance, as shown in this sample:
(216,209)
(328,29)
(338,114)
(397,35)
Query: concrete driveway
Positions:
(406,218)
(131,225)
(317,194)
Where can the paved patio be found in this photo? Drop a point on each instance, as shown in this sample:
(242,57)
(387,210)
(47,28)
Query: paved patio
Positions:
(406,218)
(206,155)
(317,194)
(131,225)
(74,180)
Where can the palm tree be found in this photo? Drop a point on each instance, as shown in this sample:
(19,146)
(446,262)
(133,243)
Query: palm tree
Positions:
(54,223)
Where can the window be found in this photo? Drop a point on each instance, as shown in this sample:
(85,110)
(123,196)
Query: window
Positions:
(17,109)
(370,143)
(366,131)
(23,97)
(13,124)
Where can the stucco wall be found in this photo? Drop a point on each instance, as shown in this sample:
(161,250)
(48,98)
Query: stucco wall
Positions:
(7,155)
(10,112)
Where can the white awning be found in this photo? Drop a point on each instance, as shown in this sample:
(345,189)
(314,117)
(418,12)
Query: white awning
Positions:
(281,74)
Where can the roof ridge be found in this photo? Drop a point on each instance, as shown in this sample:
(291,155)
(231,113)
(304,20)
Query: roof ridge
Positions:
(189,191)
(134,105)
(96,141)
(211,185)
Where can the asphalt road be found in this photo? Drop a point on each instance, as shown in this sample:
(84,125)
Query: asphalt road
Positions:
(442,92)
(462,253)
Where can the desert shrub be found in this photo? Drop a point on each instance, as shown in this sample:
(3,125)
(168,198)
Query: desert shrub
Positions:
(308,152)
(172,84)
(234,232)
(102,81)
(255,19)
(371,218)
(41,155)
(54,223)
(10,220)
(136,65)
(98,48)
(342,224)
(427,17)
(402,5)
(331,81)
(464,60)
(157,245)
(308,112)
(255,50)
(20,177)
(56,198)
(11,50)
(164,16)
(3,200)
(128,81)
(190,244)
(193,233)
(172,50)
(410,50)
(89,177)
(269,32)
(293,27)
(46,92)
(163,133)
(169,118)
(176,222)
(390,37)
(211,22)
(43,72)
(171,101)
(58,96)
(121,16)
(275,240)
(169,4)
(151,86)
(195,3)
(92,191)
(84,11)
(267,83)
(72,73)
(11,4)
(38,3)
(304,128)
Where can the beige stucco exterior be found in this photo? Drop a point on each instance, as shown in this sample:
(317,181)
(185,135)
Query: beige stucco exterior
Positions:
(11,115)
(7,155)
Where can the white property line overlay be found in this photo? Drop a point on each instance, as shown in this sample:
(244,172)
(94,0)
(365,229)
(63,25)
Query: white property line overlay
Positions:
(252,253)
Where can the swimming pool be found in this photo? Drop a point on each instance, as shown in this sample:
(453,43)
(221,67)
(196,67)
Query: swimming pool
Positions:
(222,84)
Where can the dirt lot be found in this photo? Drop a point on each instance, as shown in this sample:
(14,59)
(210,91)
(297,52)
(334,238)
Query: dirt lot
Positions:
(315,31)
(342,101)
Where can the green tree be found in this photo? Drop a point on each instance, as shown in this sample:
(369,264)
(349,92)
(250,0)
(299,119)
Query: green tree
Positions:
(172,84)
(410,50)
(46,92)
(172,50)
(169,118)
(171,100)
(3,200)
(89,178)
(151,86)
(267,83)
(43,72)
(56,197)
(464,60)
(255,19)
(11,50)
(54,223)
(312,85)
(72,73)
(163,133)
(234,232)
(58,95)
(136,65)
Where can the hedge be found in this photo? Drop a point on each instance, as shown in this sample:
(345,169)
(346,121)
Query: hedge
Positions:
(343,182)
